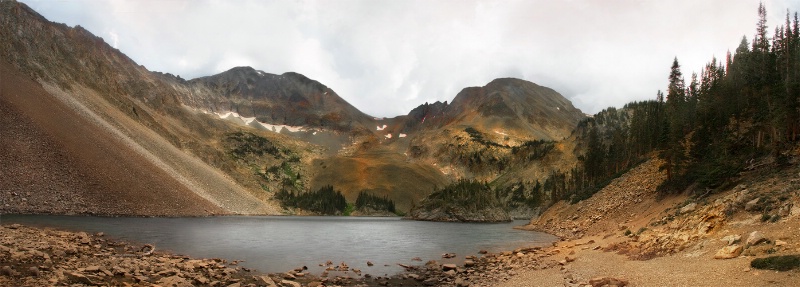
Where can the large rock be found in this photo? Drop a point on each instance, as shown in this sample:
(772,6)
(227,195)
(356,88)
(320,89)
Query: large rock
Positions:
(688,208)
(78,278)
(446,267)
(751,205)
(731,239)
(755,238)
(729,252)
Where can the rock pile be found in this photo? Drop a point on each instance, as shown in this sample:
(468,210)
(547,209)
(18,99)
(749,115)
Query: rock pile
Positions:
(615,200)
(45,257)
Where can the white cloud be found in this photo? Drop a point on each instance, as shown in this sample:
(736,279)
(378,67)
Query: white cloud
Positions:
(387,57)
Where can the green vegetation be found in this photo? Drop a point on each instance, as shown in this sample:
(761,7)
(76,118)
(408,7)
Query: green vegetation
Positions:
(469,194)
(323,201)
(348,210)
(706,132)
(366,200)
(242,144)
(779,263)
(520,194)
(275,167)
(481,155)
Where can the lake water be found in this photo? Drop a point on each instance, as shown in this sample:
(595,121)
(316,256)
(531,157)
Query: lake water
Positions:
(278,243)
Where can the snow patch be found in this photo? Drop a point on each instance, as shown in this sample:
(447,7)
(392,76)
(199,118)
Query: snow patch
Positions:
(381,128)
(501,133)
(251,120)
(401,135)
(388,136)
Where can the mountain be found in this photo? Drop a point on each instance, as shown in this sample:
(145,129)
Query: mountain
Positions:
(288,99)
(228,143)
(120,139)
(514,108)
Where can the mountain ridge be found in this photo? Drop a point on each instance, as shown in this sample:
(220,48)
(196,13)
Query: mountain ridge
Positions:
(298,124)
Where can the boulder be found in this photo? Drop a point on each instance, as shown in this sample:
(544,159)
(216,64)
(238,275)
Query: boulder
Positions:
(469,263)
(446,267)
(751,205)
(688,208)
(728,252)
(77,278)
(755,238)
(174,281)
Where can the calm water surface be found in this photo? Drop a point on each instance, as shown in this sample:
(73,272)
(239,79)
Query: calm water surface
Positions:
(278,243)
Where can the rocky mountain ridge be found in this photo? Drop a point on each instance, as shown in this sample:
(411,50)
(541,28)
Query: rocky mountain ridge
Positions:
(299,124)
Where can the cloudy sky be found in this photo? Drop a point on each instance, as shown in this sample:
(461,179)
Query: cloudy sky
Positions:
(387,57)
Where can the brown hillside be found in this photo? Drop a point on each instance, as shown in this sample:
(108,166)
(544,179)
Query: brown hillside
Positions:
(55,161)
(379,173)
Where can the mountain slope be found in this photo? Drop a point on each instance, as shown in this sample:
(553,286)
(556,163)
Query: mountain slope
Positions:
(114,94)
(56,161)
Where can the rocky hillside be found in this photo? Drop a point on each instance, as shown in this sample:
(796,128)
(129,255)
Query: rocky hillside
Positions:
(167,162)
(754,217)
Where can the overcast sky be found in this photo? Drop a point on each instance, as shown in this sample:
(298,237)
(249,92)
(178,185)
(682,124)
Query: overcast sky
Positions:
(387,57)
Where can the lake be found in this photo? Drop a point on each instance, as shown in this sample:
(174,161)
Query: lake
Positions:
(281,243)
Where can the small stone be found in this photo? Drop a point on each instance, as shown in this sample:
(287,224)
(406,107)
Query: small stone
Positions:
(469,263)
(34,271)
(287,283)
(289,276)
(780,242)
(370,264)
(7,271)
(450,273)
(461,282)
(446,267)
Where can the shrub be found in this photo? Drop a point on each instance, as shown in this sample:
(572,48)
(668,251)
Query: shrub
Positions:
(779,263)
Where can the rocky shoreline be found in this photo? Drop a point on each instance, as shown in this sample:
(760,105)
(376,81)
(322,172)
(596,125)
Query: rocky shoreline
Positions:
(32,256)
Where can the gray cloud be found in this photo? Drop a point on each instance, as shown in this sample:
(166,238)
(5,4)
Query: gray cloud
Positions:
(387,57)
